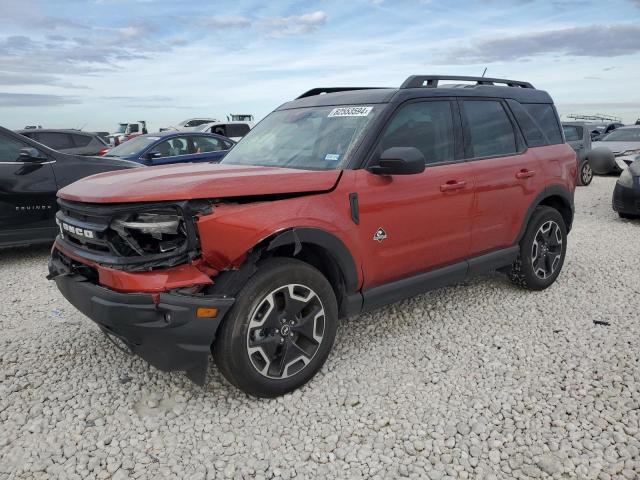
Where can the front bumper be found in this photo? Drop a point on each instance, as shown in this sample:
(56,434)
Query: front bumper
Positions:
(161,328)
(626,200)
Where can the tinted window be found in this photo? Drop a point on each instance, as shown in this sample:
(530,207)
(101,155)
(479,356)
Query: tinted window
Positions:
(572,133)
(172,148)
(237,130)
(10,149)
(532,134)
(490,129)
(545,116)
(207,144)
(57,141)
(133,128)
(428,126)
(81,140)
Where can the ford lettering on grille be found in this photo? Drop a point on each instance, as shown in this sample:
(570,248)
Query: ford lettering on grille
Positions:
(81,232)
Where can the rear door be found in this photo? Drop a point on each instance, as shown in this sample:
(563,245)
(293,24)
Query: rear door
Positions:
(27,195)
(415,223)
(507,176)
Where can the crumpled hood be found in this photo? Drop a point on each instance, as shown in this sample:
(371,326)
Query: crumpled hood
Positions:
(617,147)
(196,180)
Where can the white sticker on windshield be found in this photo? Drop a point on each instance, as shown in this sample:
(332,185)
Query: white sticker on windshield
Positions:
(332,157)
(350,112)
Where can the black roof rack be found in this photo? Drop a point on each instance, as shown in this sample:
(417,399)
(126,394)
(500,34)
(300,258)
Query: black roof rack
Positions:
(431,81)
(320,90)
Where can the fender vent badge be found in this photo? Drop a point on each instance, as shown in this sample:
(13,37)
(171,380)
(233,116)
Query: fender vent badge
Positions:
(380,235)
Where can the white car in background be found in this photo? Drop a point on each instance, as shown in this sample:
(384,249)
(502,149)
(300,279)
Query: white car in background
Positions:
(233,130)
(190,124)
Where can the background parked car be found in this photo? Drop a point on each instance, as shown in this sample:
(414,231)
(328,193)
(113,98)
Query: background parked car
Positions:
(232,130)
(173,147)
(615,151)
(31,174)
(598,131)
(191,123)
(577,135)
(74,142)
(626,194)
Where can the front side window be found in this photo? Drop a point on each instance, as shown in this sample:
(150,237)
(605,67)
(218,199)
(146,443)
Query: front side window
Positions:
(207,144)
(311,138)
(490,129)
(427,126)
(10,149)
(572,133)
(172,148)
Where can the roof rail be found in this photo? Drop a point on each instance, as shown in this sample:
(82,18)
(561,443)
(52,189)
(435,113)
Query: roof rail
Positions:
(321,90)
(431,81)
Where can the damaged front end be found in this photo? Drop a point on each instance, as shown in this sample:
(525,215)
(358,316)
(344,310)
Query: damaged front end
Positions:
(135,271)
(132,237)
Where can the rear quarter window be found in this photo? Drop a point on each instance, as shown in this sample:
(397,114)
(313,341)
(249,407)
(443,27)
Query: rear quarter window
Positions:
(545,116)
(81,140)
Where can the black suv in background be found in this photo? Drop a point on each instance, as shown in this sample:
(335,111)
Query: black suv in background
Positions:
(74,142)
(30,176)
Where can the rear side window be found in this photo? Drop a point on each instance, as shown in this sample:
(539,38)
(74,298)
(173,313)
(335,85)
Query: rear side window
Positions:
(81,140)
(427,126)
(237,130)
(532,133)
(57,141)
(490,129)
(545,116)
(572,133)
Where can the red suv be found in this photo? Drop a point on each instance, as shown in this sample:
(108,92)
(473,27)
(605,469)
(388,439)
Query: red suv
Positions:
(338,202)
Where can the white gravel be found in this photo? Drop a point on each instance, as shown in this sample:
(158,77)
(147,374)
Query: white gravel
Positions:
(482,380)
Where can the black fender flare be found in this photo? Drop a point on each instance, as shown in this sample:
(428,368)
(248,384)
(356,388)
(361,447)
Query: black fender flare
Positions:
(551,191)
(329,242)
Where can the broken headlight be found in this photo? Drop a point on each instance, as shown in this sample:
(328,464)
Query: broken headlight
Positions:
(149,232)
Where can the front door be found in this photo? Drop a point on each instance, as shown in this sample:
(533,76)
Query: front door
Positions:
(27,195)
(415,223)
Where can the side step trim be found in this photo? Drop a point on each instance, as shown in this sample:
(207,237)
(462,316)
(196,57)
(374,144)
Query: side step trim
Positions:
(423,282)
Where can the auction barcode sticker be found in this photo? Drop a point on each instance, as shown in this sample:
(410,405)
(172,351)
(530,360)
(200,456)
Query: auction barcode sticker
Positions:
(350,112)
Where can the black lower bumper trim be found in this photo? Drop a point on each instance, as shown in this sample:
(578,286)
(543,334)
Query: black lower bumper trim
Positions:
(168,335)
(626,200)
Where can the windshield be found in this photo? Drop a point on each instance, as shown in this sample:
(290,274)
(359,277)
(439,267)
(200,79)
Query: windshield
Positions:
(131,147)
(623,135)
(122,128)
(312,138)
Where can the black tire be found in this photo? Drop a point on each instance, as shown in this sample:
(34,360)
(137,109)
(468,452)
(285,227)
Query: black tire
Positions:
(585,173)
(538,274)
(628,216)
(255,323)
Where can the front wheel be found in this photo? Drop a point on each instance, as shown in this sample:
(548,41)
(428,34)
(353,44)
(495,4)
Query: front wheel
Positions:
(585,175)
(280,331)
(542,250)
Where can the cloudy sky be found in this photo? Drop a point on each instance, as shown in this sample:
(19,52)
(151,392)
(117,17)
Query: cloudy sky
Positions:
(69,63)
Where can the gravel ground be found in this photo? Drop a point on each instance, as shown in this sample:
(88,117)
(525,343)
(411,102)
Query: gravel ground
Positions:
(481,380)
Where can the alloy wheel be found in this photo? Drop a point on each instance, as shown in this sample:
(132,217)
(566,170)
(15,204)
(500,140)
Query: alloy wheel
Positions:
(285,331)
(546,251)
(586,173)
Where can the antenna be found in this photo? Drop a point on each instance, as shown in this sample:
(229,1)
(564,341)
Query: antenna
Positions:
(485,71)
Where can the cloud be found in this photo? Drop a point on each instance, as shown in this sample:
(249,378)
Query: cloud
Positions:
(296,24)
(227,21)
(35,100)
(591,41)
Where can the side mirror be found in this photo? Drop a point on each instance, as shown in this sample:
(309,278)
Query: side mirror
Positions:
(399,161)
(152,155)
(32,155)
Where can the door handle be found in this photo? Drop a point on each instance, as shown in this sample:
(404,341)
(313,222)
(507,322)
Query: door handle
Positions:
(452,185)
(524,173)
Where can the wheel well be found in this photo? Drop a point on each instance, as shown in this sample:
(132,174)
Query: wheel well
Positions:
(562,206)
(319,258)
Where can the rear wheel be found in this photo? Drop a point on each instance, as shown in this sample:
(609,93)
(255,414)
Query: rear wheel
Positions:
(542,250)
(585,175)
(280,331)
